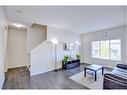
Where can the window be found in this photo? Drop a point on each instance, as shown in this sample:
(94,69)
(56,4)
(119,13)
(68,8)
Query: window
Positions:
(108,49)
(115,50)
(95,49)
(105,49)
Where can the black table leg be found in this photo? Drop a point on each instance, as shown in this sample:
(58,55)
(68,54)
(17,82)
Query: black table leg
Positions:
(102,70)
(95,75)
(84,72)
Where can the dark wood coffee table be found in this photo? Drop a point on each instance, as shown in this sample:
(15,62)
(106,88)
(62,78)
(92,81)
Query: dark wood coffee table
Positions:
(94,68)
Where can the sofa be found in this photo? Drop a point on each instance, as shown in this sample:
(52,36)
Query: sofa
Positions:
(117,79)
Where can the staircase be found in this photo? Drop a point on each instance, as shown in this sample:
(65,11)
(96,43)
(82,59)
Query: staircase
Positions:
(40,51)
(42,58)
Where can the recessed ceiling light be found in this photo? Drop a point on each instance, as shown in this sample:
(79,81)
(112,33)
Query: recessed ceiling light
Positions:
(18,25)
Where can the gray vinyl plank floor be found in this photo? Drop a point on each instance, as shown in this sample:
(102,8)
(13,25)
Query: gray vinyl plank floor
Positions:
(18,78)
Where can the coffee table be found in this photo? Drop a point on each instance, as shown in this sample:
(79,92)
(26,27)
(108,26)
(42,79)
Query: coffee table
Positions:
(94,68)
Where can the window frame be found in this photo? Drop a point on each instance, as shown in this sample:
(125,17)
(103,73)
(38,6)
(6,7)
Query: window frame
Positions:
(109,50)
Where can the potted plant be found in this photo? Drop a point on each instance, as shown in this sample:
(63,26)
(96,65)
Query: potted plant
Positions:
(78,56)
(65,60)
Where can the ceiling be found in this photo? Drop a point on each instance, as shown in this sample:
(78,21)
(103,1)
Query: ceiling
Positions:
(79,19)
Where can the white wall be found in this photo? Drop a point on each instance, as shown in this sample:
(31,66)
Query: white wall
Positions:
(42,58)
(3,38)
(114,33)
(63,36)
(126,31)
(17,47)
(126,45)
(35,36)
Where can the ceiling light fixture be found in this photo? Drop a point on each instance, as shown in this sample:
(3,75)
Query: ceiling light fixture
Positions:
(18,25)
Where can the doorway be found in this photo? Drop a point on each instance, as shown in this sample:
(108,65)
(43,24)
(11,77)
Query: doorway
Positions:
(17,47)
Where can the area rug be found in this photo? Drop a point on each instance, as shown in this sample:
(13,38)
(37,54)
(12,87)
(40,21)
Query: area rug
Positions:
(89,81)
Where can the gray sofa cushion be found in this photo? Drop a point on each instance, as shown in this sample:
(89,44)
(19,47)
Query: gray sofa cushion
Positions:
(117,79)
(122,66)
(120,72)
